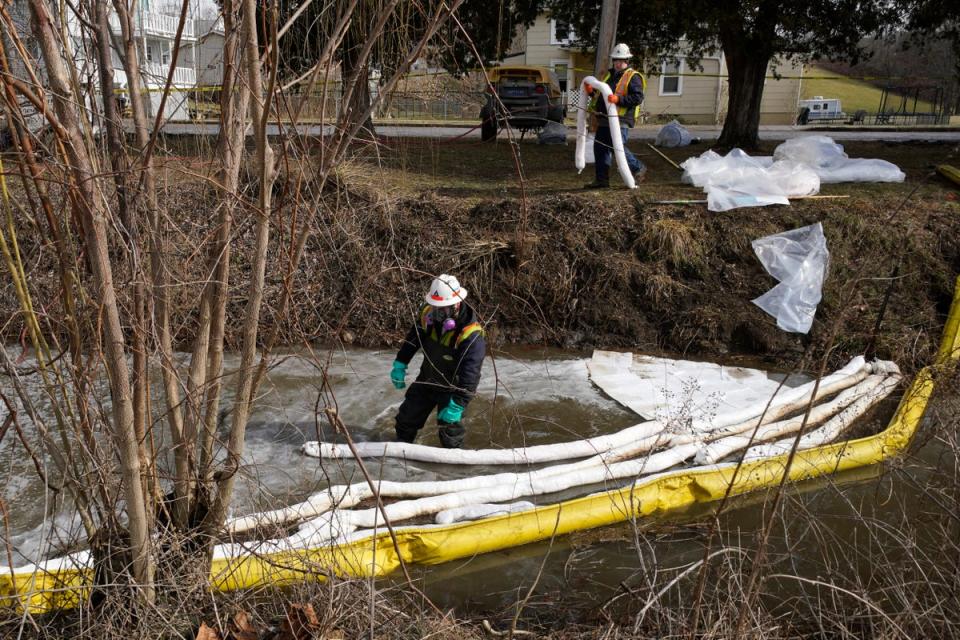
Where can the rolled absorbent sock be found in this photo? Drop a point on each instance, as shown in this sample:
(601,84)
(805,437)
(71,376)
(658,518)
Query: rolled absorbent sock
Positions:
(613,121)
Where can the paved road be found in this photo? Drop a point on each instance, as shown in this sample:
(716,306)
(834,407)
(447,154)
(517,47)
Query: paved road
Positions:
(641,133)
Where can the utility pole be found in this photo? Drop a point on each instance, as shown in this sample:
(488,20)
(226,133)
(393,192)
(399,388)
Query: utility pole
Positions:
(608,33)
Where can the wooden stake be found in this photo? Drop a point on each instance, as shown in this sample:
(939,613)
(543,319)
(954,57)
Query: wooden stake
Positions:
(659,153)
(816,197)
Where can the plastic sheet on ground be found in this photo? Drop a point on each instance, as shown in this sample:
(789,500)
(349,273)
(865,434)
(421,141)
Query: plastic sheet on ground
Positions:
(798,259)
(739,180)
(660,388)
(673,134)
(832,164)
(797,168)
(553,133)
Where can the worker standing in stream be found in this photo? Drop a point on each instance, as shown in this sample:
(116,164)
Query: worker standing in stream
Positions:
(628,87)
(453,350)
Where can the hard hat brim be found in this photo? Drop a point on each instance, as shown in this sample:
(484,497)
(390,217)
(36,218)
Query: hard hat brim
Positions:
(460,295)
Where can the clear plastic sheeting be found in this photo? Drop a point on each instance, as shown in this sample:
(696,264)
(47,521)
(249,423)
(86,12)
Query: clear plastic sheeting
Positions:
(673,134)
(553,133)
(797,168)
(833,165)
(798,259)
(739,180)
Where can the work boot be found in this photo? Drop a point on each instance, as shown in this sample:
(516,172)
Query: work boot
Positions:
(406,434)
(451,435)
(597,184)
(639,176)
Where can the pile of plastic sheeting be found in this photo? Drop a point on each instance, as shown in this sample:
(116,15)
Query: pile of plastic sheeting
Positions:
(833,165)
(798,259)
(797,168)
(739,180)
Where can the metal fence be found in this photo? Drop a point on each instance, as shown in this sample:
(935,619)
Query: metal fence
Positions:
(423,105)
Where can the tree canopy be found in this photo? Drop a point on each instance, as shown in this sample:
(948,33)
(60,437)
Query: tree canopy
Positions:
(750,34)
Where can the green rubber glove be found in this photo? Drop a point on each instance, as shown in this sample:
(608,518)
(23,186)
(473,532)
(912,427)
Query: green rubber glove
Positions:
(398,374)
(450,413)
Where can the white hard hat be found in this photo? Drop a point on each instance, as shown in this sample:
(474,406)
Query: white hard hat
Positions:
(445,291)
(621,52)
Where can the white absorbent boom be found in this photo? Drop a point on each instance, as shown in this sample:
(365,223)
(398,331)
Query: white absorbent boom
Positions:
(613,120)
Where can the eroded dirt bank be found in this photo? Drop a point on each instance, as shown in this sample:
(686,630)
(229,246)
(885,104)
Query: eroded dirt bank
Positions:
(554,266)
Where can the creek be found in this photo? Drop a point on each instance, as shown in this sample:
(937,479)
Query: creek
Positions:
(526,397)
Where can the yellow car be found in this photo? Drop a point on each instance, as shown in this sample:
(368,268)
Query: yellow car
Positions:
(522,97)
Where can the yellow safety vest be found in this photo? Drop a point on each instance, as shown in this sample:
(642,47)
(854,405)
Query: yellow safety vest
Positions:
(621,90)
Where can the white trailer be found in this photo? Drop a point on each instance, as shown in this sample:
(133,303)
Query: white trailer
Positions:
(823,108)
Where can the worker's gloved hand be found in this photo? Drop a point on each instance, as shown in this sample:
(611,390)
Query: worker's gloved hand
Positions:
(588,88)
(613,98)
(398,374)
(450,413)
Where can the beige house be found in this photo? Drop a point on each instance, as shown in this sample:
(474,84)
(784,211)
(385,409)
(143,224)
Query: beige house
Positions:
(673,89)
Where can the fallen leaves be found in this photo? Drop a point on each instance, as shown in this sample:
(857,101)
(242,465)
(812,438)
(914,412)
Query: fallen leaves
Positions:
(299,623)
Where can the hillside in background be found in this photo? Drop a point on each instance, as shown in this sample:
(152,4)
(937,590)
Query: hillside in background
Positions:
(854,94)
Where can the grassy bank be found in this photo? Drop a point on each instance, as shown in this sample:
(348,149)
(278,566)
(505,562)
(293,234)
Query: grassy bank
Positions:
(550,264)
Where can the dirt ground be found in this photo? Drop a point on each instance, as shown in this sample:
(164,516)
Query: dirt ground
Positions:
(548,263)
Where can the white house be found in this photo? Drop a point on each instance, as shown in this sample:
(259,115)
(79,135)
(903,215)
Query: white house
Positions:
(155,32)
(696,96)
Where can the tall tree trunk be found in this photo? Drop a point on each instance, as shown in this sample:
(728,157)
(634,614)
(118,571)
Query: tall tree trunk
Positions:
(259,110)
(128,222)
(160,294)
(355,81)
(746,69)
(94,221)
(234,104)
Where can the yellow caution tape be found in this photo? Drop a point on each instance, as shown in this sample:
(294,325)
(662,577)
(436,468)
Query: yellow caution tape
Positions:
(377,556)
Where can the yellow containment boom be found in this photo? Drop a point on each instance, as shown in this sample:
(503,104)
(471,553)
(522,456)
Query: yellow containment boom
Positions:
(949,172)
(377,555)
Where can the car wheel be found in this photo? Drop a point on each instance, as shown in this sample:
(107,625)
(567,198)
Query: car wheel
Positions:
(555,114)
(488,129)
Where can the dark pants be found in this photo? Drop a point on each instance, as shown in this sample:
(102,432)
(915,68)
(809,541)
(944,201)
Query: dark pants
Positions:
(603,153)
(421,399)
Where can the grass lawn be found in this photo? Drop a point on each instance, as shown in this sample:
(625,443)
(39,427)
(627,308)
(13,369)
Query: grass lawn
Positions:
(472,172)
(853,94)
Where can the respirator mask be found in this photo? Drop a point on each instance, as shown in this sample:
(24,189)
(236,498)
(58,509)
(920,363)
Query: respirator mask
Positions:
(444,317)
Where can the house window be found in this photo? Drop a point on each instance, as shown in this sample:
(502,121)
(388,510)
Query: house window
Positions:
(165,54)
(150,53)
(671,80)
(560,67)
(561,33)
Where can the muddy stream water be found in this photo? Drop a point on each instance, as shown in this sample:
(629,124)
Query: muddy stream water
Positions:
(526,397)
